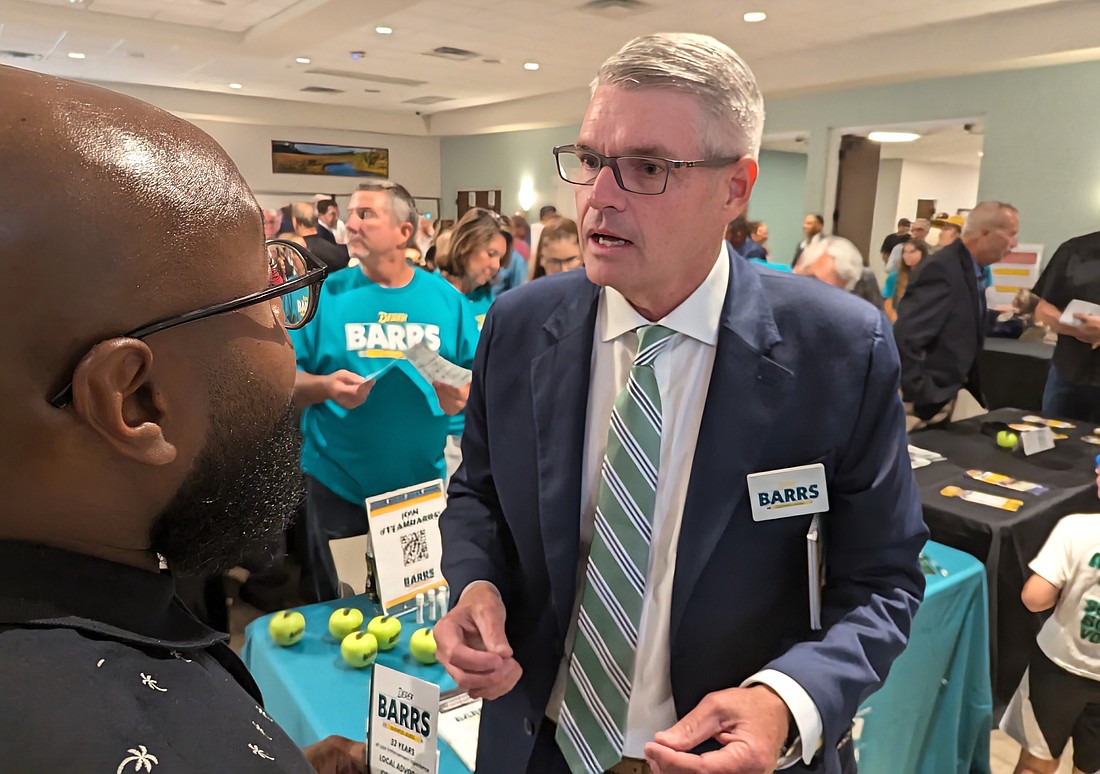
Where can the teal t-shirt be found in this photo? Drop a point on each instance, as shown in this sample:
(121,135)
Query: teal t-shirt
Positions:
(891,285)
(479,300)
(396,438)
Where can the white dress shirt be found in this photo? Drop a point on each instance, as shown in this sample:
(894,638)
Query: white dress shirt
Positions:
(683,372)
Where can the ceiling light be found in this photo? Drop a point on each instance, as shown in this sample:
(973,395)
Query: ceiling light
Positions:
(755,16)
(76,55)
(303,60)
(530,66)
(384,30)
(357,55)
(236,86)
(981,153)
(893,136)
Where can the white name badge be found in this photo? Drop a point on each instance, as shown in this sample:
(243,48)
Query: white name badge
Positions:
(778,494)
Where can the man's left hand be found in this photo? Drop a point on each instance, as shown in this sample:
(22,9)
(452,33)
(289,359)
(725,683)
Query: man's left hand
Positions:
(451,399)
(750,723)
(337,755)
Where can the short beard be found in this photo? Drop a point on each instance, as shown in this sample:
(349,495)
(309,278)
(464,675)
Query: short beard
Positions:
(243,487)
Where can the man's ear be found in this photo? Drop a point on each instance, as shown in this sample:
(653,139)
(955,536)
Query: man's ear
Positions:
(114,395)
(739,184)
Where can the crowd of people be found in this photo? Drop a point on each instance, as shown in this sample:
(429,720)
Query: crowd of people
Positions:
(598,511)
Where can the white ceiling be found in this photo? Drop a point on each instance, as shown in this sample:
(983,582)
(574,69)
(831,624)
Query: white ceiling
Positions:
(804,45)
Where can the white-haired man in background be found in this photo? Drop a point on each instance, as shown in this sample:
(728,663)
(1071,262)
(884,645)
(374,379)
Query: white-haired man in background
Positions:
(836,261)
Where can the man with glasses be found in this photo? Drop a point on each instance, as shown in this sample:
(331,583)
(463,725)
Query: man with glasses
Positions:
(621,601)
(369,431)
(147,434)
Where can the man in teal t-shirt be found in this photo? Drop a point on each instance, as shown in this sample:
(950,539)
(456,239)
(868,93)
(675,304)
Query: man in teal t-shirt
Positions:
(371,423)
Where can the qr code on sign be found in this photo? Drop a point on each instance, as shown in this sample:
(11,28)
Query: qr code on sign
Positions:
(414,547)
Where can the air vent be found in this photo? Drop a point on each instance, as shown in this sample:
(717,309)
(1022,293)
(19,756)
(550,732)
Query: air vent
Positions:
(322,90)
(23,56)
(427,100)
(615,9)
(372,91)
(371,77)
(454,54)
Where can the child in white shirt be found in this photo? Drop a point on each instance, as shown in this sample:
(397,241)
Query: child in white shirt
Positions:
(1059,697)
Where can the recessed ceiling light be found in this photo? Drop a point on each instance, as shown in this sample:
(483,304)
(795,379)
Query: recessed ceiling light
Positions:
(384,30)
(236,86)
(981,153)
(755,16)
(530,65)
(303,60)
(357,55)
(893,136)
(76,55)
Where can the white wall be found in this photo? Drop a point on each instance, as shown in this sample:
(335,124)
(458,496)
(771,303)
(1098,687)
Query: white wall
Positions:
(414,161)
(953,187)
(886,209)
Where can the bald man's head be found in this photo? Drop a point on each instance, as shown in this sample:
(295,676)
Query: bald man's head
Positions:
(990,231)
(144,415)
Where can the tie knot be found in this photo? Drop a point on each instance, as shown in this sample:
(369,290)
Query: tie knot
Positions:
(652,340)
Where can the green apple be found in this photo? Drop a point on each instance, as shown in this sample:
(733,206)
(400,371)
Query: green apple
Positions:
(344,621)
(359,649)
(422,645)
(1007,440)
(386,629)
(287,627)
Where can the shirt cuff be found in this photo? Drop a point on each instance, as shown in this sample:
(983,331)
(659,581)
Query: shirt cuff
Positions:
(493,586)
(807,719)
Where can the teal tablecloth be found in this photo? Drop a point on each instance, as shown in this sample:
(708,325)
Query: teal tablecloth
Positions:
(312,693)
(933,715)
(935,712)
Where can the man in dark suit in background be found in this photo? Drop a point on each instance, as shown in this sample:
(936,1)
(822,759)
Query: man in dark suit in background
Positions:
(940,327)
(333,255)
(622,602)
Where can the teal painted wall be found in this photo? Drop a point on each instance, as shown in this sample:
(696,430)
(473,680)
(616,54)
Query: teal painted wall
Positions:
(1042,149)
(501,162)
(777,200)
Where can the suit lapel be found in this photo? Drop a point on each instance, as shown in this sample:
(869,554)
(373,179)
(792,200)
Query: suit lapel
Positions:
(559,386)
(746,394)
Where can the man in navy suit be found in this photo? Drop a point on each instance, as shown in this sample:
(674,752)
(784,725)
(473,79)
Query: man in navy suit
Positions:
(621,603)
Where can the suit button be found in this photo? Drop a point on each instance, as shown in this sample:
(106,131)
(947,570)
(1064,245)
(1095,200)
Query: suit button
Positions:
(528,727)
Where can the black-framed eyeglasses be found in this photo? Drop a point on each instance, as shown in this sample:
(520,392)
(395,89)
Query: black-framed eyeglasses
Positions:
(294,285)
(637,174)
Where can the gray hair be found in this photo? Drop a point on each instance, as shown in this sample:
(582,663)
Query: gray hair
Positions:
(986,216)
(402,205)
(305,213)
(704,67)
(847,259)
(923,223)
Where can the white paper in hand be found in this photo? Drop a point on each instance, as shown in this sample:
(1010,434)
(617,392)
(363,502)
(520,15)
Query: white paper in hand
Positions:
(431,365)
(1076,306)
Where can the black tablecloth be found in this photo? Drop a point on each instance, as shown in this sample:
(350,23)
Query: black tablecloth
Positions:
(1014,373)
(1005,542)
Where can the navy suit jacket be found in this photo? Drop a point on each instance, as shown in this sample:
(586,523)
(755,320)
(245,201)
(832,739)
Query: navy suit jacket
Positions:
(940,332)
(802,373)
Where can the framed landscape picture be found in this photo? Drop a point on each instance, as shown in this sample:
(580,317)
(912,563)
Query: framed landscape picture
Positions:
(308,158)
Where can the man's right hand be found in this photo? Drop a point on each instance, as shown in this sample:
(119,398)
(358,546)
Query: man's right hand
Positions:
(348,390)
(471,644)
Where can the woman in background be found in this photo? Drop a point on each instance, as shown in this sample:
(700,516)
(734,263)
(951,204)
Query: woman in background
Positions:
(558,250)
(480,245)
(914,251)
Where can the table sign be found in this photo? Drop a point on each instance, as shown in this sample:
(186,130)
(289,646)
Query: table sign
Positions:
(405,541)
(1035,441)
(402,726)
(459,724)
